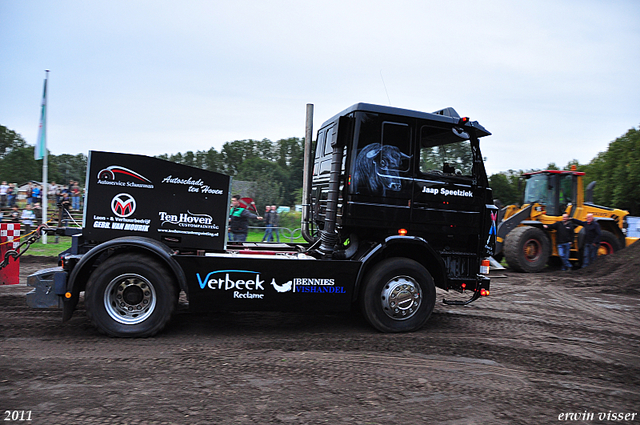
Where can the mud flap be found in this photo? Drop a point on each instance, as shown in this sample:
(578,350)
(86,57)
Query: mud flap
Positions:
(49,288)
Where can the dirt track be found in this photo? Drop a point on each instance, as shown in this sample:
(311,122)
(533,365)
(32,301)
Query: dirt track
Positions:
(540,346)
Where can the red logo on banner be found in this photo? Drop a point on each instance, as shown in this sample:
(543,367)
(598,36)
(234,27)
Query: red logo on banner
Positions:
(123,205)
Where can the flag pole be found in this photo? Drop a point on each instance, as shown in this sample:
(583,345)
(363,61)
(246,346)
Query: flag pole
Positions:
(45,192)
(40,152)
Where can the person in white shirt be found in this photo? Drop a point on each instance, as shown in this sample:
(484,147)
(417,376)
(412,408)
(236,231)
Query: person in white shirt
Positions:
(27,218)
(3,194)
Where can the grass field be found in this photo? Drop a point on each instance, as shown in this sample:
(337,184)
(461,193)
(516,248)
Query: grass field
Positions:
(256,236)
(52,249)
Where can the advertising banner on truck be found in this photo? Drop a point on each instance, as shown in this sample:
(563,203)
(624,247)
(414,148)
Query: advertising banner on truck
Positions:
(129,195)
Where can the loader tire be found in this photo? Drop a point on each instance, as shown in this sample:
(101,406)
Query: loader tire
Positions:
(608,243)
(527,249)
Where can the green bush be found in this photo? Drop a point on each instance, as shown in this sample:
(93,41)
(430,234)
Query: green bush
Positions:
(290,220)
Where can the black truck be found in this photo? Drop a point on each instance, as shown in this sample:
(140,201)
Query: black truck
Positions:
(395,203)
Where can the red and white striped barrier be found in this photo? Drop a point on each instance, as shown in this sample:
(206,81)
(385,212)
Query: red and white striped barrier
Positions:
(9,275)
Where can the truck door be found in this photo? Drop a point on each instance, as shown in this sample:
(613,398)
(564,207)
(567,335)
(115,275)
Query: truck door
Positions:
(445,205)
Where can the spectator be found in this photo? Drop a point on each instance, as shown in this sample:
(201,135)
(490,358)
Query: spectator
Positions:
(239,220)
(36,194)
(3,194)
(15,214)
(268,237)
(64,205)
(29,193)
(62,190)
(27,218)
(37,210)
(54,192)
(11,195)
(75,196)
(275,221)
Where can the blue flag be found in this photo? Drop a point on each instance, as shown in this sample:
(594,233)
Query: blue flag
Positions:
(41,144)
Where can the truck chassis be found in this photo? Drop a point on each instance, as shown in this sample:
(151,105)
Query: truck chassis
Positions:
(153,229)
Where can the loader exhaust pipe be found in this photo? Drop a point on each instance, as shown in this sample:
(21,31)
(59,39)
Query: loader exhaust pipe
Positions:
(588,193)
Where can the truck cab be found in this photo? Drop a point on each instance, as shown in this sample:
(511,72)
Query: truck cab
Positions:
(415,174)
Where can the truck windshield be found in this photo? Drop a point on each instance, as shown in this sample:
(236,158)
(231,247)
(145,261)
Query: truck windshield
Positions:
(537,190)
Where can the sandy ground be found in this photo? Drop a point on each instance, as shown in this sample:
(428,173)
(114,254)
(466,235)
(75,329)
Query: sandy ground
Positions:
(539,348)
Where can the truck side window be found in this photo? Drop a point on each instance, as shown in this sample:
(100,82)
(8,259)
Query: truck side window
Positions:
(320,145)
(328,149)
(443,152)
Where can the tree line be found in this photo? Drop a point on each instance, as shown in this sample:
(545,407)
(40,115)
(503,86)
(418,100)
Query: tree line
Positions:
(275,169)
(616,171)
(17,164)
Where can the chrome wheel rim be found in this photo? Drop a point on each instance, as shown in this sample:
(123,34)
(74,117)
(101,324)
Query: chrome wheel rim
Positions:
(130,299)
(401,297)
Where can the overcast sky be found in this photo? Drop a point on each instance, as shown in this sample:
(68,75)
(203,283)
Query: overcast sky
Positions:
(552,80)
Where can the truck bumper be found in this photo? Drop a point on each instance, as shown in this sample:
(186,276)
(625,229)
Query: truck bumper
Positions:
(482,289)
(49,286)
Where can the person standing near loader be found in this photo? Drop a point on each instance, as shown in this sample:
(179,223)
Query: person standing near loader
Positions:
(591,239)
(564,237)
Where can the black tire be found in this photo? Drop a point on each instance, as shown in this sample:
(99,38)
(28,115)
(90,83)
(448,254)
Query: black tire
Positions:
(608,243)
(130,295)
(392,280)
(527,249)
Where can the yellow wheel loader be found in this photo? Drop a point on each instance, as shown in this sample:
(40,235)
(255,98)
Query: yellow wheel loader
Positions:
(528,247)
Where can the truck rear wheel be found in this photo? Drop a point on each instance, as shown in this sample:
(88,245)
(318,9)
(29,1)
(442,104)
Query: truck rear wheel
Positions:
(130,295)
(527,249)
(398,295)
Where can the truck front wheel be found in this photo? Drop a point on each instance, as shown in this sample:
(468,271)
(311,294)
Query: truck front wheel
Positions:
(398,296)
(130,295)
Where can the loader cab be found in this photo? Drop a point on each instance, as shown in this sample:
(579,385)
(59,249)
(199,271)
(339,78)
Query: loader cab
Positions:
(553,189)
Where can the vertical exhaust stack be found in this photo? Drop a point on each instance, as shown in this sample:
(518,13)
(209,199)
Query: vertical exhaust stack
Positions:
(307,175)
(328,235)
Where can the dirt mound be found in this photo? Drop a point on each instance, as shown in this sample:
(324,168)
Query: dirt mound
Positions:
(617,273)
